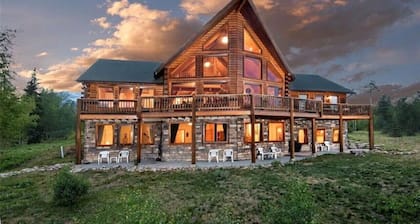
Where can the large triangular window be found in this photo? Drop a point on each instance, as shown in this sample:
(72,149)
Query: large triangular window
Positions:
(250,44)
(273,75)
(186,69)
(218,41)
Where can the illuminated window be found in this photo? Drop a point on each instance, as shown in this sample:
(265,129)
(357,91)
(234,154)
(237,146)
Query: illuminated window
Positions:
(319,97)
(219,41)
(127,97)
(215,88)
(257,129)
(276,132)
(274,91)
(126,134)
(320,136)
(104,135)
(106,93)
(183,89)
(148,101)
(215,133)
(303,136)
(250,44)
(332,100)
(336,135)
(147,134)
(273,75)
(252,68)
(252,88)
(185,70)
(215,66)
(181,133)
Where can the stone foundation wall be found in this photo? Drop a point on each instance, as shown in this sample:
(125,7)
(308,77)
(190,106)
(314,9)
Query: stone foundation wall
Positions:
(182,152)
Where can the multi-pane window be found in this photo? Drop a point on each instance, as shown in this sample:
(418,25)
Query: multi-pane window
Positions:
(215,66)
(303,136)
(252,68)
(147,100)
(215,88)
(248,132)
(215,133)
(106,93)
(181,133)
(186,69)
(336,135)
(273,75)
(252,88)
(183,89)
(250,44)
(274,91)
(126,134)
(126,97)
(276,132)
(147,134)
(320,136)
(218,41)
(104,135)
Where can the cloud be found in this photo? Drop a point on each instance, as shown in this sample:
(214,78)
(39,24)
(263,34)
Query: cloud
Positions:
(42,54)
(101,22)
(310,33)
(359,76)
(74,49)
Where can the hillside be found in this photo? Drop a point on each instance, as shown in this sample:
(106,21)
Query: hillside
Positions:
(394,91)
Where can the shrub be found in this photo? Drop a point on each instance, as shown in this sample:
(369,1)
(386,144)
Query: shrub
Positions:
(69,188)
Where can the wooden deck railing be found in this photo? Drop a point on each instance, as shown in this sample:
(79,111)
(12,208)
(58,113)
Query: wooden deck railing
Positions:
(226,102)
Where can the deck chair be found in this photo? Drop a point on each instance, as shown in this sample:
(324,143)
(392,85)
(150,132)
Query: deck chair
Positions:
(103,155)
(276,151)
(213,153)
(123,155)
(228,153)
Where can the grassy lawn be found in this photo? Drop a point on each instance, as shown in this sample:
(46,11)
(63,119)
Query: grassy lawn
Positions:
(25,156)
(376,188)
(405,143)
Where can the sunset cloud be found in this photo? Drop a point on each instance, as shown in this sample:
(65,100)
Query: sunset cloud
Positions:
(310,33)
(101,22)
(42,54)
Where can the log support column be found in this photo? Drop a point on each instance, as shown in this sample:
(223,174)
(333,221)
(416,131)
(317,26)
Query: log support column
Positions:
(78,134)
(313,143)
(341,128)
(139,131)
(253,154)
(371,130)
(193,132)
(292,134)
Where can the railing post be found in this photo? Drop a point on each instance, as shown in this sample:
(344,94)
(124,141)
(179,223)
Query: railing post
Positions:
(371,130)
(292,134)
(193,137)
(340,125)
(253,154)
(78,133)
(139,130)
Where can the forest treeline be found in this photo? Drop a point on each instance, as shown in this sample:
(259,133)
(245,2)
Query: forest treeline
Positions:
(33,116)
(401,118)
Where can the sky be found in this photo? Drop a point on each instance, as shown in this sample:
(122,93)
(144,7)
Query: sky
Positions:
(351,42)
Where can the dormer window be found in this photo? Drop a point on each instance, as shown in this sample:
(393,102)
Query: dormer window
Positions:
(250,44)
(218,41)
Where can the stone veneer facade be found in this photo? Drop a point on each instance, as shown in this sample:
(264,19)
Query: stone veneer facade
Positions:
(182,152)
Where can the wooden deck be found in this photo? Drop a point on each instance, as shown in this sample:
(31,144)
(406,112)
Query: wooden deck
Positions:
(216,105)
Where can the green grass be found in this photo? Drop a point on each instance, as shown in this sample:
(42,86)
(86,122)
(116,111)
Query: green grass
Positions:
(404,143)
(25,156)
(376,188)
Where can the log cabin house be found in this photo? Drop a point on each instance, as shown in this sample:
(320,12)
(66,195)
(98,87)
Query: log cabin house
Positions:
(229,87)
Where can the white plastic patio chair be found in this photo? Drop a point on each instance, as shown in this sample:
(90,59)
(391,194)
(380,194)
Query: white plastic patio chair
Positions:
(213,153)
(123,155)
(103,155)
(228,153)
(328,145)
(276,151)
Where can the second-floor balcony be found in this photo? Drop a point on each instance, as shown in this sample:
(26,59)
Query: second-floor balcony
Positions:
(214,103)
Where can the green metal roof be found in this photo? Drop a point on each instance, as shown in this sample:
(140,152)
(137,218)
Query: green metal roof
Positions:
(107,70)
(310,82)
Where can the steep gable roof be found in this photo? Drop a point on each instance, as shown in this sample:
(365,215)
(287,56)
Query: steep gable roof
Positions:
(311,82)
(248,10)
(107,70)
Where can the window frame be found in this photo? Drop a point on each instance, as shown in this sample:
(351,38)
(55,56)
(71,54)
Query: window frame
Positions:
(216,57)
(151,133)
(282,132)
(260,132)
(97,143)
(316,135)
(245,32)
(187,133)
(215,133)
(305,135)
(338,135)
(260,67)
(215,37)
